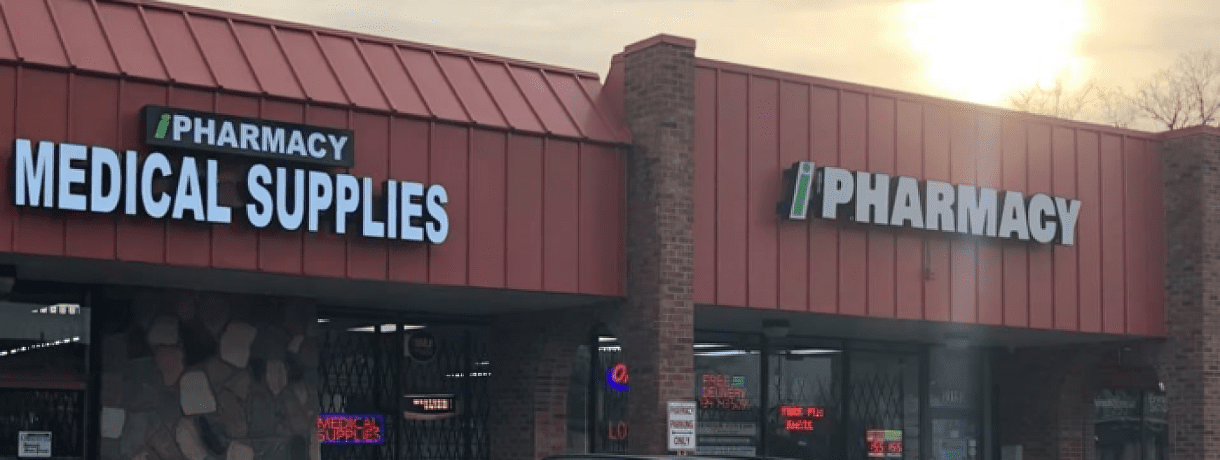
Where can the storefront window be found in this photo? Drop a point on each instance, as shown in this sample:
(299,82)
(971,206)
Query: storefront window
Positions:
(1130,424)
(612,387)
(728,392)
(402,389)
(883,405)
(44,366)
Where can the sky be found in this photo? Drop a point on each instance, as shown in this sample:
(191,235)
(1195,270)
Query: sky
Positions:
(974,50)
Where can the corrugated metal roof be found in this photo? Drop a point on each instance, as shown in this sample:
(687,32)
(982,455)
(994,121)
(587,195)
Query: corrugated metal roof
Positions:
(208,48)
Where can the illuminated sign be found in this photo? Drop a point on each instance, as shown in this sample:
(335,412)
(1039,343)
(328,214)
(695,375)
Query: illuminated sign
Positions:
(350,429)
(432,404)
(829,192)
(800,418)
(617,377)
(884,443)
(175,184)
(724,392)
(270,140)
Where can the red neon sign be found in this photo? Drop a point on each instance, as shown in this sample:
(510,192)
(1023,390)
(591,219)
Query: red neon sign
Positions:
(350,429)
(718,393)
(798,425)
(800,418)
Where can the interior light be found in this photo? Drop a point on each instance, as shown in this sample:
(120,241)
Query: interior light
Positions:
(612,348)
(323,320)
(604,339)
(723,353)
(408,327)
(361,329)
(711,345)
(812,351)
(388,327)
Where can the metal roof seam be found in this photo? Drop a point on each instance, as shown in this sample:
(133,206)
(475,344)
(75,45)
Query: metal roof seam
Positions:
(190,28)
(330,65)
(418,91)
(372,73)
(508,69)
(101,21)
(59,34)
(494,102)
(275,33)
(9,30)
(245,55)
(597,109)
(449,83)
(566,111)
(156,48)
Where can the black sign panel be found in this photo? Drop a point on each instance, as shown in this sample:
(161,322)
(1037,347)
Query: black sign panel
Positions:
(212,132)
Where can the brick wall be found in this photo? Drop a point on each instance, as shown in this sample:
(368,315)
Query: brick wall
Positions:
(1189,362)
(656,326)
(190,375)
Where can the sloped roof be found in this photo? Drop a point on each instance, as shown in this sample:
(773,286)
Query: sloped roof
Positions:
(207,48)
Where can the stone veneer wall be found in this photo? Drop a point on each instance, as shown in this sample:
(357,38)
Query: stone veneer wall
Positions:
(191,375)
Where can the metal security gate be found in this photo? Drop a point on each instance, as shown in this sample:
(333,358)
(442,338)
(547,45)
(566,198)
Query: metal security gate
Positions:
(365,369)
(59,412)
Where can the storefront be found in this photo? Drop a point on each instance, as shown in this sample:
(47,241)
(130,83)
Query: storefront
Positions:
(232,237)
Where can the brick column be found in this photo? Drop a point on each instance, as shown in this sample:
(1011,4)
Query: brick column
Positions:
(1190,358)
(656,326)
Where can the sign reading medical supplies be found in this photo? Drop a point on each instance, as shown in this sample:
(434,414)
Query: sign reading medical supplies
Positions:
(681,426)
(272,140)
(288,185)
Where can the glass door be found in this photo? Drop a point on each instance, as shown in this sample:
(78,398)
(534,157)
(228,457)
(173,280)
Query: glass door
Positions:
(804,403)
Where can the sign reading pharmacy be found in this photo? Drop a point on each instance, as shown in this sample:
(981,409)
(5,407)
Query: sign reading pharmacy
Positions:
(179,186)
(830,193)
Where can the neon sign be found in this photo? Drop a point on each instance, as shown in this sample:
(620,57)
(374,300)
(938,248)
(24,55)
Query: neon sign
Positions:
(724,392)
(884,443)
(800,418)
(617,377)
(350,429)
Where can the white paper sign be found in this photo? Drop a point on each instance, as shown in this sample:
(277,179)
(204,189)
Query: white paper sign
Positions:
(33,444)
(681,426)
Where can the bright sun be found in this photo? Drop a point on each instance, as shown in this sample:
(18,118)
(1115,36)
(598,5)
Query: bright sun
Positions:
(984,50)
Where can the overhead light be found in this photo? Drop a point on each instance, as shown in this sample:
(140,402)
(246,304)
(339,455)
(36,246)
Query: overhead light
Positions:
(361,329)
(775,328)
(323,320)
(409,327)
(604,339)
(610,348)
(710,345)
(812,351)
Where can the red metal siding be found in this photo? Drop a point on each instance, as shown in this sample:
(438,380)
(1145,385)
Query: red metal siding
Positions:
(1106,282)
(526,212)
(761,188)
(793,240)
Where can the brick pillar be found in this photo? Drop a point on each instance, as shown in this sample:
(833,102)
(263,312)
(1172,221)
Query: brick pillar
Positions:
(532,357)
(1190,358)
(656,326)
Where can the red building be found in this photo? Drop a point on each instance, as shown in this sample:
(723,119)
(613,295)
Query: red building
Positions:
(233,237)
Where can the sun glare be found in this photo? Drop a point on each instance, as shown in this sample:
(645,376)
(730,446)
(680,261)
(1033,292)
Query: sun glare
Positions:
(983,50)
